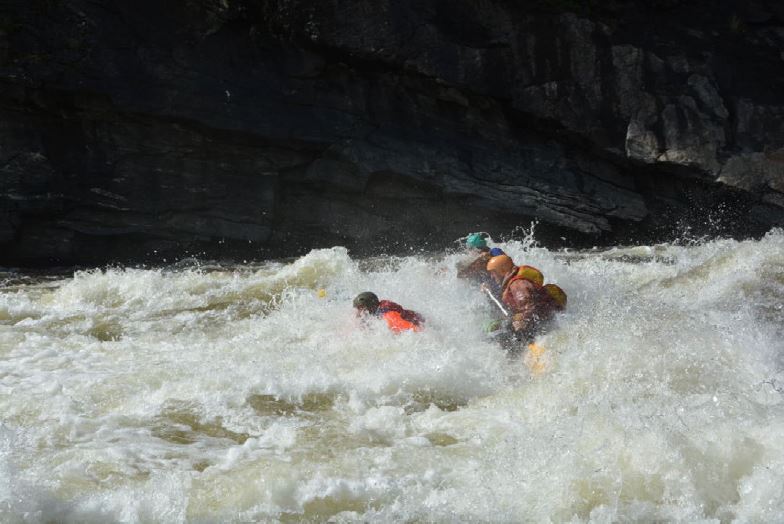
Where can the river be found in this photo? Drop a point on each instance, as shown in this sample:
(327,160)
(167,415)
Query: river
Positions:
(207,392)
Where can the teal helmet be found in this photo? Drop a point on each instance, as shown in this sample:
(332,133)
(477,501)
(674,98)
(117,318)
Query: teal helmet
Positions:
(476,241)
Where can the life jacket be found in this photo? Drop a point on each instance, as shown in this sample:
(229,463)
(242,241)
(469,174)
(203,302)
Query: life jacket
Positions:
(557,295)
(524,273)
(544,299)
(399,319)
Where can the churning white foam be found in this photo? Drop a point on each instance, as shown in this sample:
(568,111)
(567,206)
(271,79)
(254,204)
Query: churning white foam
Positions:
(211,393)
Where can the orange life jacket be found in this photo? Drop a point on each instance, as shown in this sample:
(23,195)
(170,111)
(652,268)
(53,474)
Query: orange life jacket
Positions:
(399,319)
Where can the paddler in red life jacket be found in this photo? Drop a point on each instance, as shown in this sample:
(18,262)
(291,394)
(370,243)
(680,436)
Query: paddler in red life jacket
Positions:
(530,303)
(397,318)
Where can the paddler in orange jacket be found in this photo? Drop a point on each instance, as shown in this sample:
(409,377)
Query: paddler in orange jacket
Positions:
(530,304)
(397,318)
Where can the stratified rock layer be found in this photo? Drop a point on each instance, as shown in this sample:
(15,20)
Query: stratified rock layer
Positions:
(147,130)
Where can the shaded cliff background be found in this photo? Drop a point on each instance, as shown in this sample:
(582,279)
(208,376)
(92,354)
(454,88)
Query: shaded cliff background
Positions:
(147,130)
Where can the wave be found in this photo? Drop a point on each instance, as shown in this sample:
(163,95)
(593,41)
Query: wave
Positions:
(201,392)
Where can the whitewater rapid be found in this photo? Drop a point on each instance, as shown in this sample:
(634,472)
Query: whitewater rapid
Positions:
(245,393)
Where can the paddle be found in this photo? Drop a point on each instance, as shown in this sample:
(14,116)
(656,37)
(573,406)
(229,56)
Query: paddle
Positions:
(533,359)
(495,301)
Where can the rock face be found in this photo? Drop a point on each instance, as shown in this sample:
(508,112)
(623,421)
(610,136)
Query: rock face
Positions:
(147,130)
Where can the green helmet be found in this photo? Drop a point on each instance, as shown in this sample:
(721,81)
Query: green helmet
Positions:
(476,241)
(366,300)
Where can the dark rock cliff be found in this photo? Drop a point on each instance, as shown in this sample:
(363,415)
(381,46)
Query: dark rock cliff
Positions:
(146,130)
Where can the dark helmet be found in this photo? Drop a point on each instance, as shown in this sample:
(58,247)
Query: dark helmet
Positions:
(366,300)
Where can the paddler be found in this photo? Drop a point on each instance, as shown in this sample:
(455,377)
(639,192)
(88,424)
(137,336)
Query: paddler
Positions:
(474,269)
(397,318)
(521,291)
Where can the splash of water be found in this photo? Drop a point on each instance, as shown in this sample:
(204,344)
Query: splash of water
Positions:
(210,393)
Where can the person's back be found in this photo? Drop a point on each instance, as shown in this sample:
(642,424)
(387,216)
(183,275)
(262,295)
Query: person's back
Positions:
(532,307)
(531,304)
(397,318)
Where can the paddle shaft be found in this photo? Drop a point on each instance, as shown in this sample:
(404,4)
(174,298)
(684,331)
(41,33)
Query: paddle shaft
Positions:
(496,301)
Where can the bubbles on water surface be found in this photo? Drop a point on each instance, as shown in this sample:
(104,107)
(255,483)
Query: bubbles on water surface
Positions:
(245,393)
